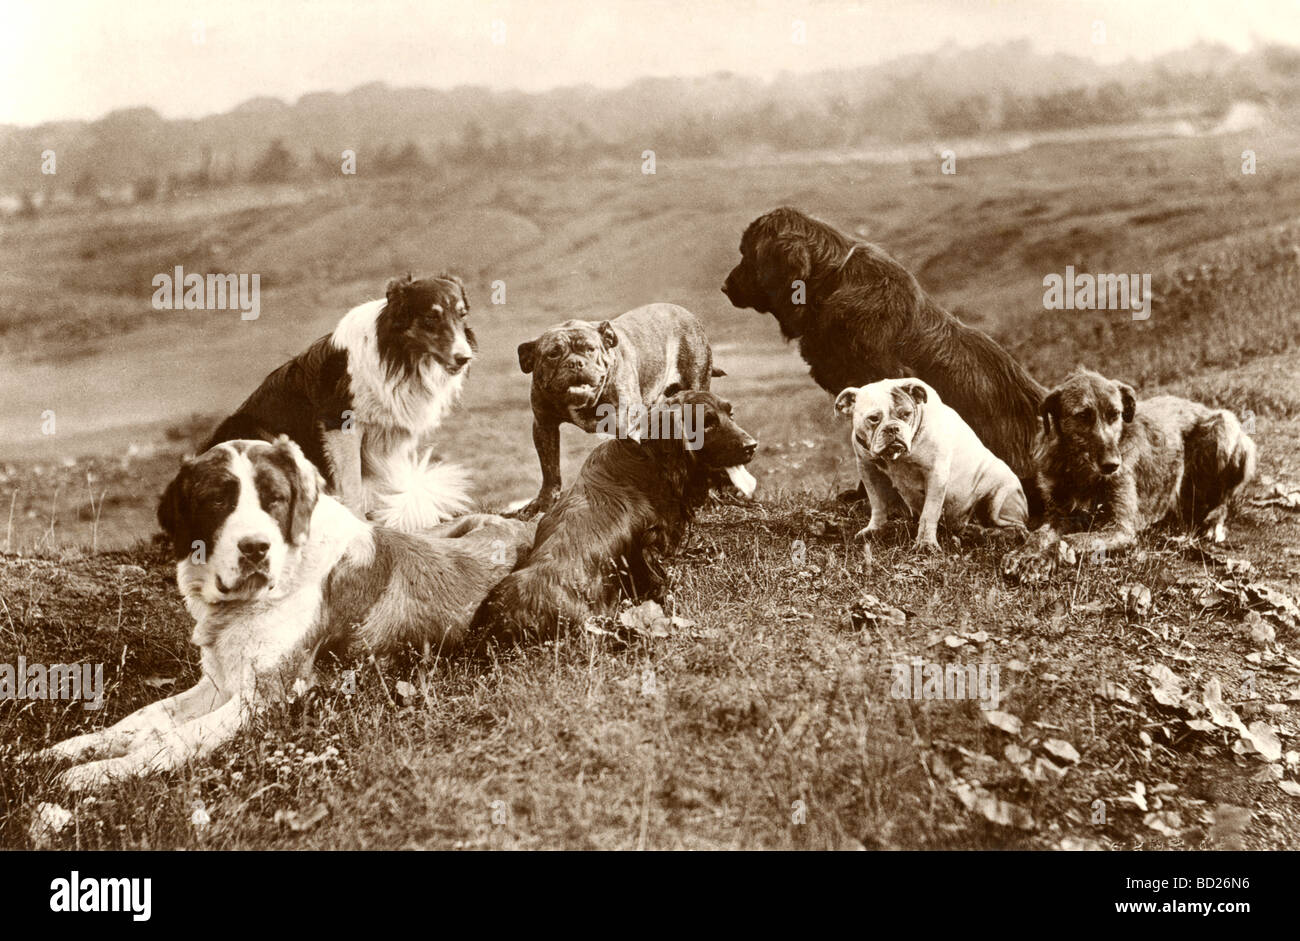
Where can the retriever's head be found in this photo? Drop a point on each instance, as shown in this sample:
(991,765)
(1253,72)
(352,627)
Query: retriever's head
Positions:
(571,362)
(784,255)
(237,516)
(1085,416)
(424,324)
(701,425)
(886,416)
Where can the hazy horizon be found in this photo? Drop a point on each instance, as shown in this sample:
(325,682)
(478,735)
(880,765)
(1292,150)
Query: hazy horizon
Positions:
(67,60)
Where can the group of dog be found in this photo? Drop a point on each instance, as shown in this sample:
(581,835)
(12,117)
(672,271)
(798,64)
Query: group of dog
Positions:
(315,518)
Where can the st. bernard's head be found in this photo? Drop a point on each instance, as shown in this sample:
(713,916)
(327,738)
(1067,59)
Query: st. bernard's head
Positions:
(236,514)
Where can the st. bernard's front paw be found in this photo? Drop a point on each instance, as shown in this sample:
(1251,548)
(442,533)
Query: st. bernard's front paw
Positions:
(92,776)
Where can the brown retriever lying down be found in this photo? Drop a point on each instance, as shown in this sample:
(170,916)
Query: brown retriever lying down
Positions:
(1110,466)
(860,317)
(612,531)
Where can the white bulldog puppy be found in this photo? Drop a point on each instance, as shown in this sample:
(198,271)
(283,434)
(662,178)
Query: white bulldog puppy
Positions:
(904,436)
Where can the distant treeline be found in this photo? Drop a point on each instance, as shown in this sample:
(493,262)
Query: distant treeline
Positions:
(138,156)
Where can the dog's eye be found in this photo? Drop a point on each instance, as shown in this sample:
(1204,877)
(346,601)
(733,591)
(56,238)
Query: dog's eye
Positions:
(1084,414)
(276,501)
(1111,415)
(873,417)
(554,353)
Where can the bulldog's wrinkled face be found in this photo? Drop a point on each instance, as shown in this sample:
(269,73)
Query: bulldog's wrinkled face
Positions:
(424,323)
(704,424)
(886,417)
(571,362)
(236,514)
(1088,412)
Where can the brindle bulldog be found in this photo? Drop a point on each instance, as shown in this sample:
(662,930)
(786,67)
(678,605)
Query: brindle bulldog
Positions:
(596,375)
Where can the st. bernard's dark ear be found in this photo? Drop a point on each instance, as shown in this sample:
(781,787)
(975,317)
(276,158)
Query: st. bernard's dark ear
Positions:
(174,510)
(1050,412)
(460,286)
(528,355)
(915,390)
(607,334)
(845,401)
(304,487)
(1128,399)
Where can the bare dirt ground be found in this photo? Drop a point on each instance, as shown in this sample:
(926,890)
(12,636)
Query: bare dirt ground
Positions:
(769,720)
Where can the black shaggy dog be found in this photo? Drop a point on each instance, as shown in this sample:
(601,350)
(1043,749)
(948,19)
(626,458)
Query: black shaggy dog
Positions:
(610,533)
(860,317)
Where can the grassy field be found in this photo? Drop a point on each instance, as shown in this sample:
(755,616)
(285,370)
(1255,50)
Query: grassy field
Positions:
(769,721)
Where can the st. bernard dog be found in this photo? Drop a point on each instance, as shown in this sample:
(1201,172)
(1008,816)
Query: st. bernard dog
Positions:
(361,402)
(274,571)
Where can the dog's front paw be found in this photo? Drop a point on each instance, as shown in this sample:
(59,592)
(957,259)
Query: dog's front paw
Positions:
(1027,566)
(927,544)
(532,508)
(92,776)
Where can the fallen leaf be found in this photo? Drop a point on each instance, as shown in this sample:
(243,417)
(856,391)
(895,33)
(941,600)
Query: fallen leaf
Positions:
(1262,737)
(1003,720)
(1166,685)
(1291,787)
(1061,749)
(992,808)
(1166,822)
(1016,754)
(1221,713)
(646,619)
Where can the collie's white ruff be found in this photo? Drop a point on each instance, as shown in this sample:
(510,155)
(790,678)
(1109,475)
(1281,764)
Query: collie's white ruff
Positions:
(406,490)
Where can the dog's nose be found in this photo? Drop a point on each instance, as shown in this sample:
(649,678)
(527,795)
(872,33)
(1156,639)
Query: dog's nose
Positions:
(750,449)
(254,550)
(1109,467)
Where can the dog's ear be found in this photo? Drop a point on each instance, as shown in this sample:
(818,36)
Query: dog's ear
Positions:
(1128,399)
(304,486)
(1050,412)
(174,510)
(395,297)
(915,390)
(396,288)
(783,261)
(460,286)
(845,401)
(607,334)
(528,355)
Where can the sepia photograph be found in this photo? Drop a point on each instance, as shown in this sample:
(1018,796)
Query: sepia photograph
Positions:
(758,425)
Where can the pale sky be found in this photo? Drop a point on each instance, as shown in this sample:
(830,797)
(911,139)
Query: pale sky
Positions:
(63,59)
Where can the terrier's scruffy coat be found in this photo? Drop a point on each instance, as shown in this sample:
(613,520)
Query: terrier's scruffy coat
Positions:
(1110,466)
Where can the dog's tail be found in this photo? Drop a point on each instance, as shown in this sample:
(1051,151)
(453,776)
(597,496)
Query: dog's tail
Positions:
(415,495)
